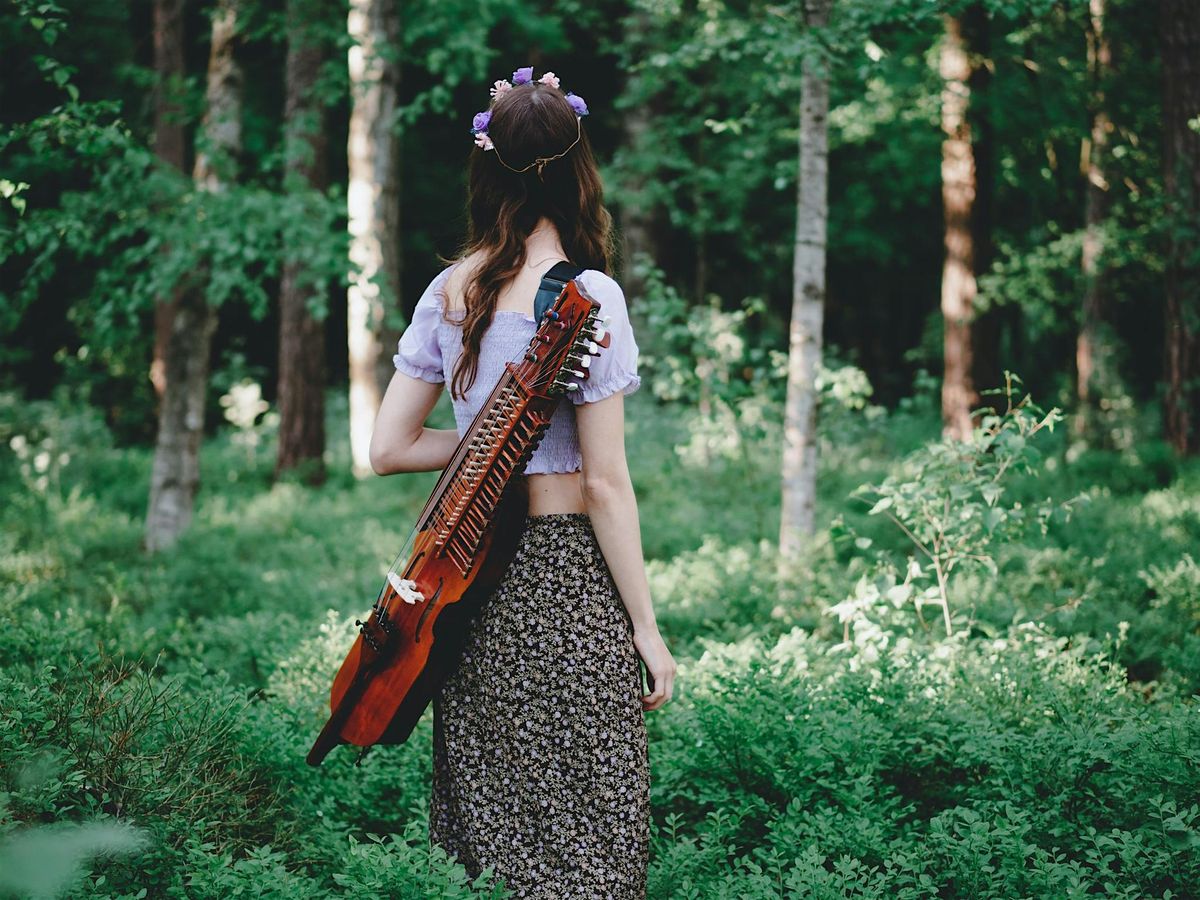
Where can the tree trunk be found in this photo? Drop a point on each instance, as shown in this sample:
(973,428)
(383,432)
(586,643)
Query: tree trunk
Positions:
(302,336)
(799,478)
(1180,33)
(175,478)
(373,201)
(637,217)
(1093,350)
(986,325)
(168,146)
(959,395)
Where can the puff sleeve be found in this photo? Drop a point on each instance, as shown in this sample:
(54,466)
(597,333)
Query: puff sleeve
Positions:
(418,353)
(615,369)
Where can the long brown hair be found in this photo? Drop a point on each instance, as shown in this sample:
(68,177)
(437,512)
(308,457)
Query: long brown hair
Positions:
(532,120)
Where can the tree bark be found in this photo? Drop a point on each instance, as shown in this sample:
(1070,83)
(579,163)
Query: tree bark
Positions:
(1093,350)
(169,147)
(1179,22)
(373,201)
(175,478)
(959,395)
(301,393)
(987,324)
(799,475)
(638,233)
(1095,357)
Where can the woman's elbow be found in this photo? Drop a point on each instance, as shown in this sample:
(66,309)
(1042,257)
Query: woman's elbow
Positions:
(607,488)
(382,461)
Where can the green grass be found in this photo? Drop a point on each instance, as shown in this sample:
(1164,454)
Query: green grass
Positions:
(177,694)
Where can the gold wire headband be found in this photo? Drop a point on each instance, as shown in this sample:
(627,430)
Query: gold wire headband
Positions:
(541,161)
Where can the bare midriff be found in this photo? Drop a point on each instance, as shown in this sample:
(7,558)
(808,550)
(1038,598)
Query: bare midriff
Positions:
(555,492)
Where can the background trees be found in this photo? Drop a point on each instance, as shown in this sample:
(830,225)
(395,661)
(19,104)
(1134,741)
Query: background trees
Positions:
(995,251)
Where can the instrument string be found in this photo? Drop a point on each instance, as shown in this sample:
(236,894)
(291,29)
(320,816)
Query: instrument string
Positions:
(505,409)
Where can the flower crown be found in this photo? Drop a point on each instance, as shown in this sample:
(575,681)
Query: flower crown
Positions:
(524,75)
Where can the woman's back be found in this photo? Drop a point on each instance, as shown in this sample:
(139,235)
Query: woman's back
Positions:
(431,348)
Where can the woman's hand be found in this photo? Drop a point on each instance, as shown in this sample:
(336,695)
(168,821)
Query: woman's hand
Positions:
(660,666)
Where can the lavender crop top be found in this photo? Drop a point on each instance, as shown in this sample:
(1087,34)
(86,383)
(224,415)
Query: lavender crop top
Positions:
(430,347)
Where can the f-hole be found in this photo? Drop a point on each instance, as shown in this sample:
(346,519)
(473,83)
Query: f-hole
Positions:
(428,609)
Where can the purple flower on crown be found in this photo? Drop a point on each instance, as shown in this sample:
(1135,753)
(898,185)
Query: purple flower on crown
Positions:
(523,75)
(577,104)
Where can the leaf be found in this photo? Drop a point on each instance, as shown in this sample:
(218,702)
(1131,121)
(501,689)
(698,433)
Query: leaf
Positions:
(884,503)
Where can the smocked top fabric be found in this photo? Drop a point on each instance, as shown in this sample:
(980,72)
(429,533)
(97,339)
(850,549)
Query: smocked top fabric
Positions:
(430,348)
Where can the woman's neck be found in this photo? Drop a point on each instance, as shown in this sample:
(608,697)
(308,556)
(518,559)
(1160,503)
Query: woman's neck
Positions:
(543,242)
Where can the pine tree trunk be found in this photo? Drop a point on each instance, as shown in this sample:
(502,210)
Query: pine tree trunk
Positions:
(168,147)
(1180,33)
(175,478)
(638,233)
(1093,350)
(959,395)
(373,202)
(986,325)
(301,391)
(799,477)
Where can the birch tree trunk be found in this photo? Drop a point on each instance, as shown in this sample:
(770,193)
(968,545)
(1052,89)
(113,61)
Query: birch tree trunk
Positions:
(1179,22)
(168,147)
(302,336)
(1093,350)
(373,201)
(959,395)
(797,521)
(175,477)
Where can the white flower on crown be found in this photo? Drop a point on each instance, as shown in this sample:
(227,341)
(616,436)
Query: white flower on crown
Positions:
(501,87)
(549,78)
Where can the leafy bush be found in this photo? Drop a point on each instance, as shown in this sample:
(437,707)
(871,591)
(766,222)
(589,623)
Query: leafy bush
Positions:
(1018,767)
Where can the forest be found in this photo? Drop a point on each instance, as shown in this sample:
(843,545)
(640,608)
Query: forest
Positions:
(916,287)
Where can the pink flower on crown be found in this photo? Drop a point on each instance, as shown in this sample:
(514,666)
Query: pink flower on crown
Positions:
(500,87)
(549,78)
(482,140)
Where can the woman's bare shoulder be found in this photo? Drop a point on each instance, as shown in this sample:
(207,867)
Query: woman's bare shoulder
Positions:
(459,272)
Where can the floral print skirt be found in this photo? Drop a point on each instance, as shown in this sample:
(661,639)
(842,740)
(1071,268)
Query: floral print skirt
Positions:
(540,767)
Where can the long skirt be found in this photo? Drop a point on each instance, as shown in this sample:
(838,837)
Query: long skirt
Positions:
(540,766)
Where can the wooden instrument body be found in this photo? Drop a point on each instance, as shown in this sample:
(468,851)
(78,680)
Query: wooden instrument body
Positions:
(468,534)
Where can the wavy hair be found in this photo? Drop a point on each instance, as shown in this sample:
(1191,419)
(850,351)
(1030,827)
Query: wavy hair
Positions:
(530,121)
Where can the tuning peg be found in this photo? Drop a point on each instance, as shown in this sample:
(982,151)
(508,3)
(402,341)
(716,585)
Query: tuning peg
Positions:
(599,333)
(584,361)
(578,374)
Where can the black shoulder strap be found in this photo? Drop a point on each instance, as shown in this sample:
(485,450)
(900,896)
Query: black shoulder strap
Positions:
(552,284)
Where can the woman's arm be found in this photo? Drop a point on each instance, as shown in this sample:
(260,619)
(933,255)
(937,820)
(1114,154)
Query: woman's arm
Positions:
(400,441)
(612,508)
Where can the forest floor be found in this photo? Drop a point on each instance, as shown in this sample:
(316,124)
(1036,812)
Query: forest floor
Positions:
(155,711)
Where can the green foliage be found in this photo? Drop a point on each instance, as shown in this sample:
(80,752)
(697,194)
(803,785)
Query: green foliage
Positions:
(950,501)
(1017,767)
(178,694)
